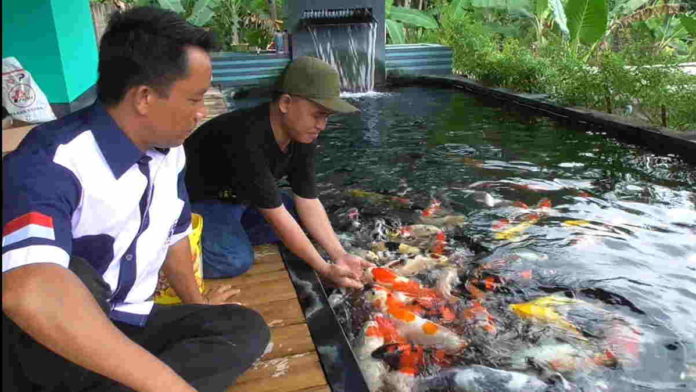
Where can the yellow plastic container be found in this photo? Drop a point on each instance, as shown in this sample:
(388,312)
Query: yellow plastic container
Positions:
(165,294)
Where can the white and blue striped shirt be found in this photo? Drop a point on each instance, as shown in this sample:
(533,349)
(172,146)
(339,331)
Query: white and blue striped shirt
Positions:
(78,186)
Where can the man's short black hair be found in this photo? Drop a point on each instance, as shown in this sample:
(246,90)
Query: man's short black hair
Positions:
(145,46)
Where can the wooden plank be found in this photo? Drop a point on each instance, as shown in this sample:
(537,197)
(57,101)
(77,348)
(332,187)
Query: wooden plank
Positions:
(290,340)
(287,374)
(275,290)
(245,280)
(262,268)
(323,388)
(281,313)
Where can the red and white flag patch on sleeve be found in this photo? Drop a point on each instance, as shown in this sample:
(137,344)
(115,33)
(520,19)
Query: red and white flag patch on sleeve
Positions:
(31,225)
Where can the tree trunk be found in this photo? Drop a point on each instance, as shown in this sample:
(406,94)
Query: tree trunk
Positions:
(274,13)
(664,115)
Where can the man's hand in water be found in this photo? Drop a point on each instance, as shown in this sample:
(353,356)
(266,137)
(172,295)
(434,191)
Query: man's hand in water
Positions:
(354,263)
(346,272)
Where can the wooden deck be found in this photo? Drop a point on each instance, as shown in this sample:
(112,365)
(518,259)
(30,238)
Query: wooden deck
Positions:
(293,364)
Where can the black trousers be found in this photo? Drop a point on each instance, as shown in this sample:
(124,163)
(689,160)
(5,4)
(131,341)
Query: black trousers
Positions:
(209,346)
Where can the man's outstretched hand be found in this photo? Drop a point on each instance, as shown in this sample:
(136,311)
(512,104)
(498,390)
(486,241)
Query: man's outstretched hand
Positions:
(346,272)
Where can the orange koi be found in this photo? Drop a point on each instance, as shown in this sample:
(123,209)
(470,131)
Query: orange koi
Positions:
(434,207)
(520,204)
(532,217)
(479,315)
(389,279)
(544,203)
(500,224)
(474,291)
(439,245)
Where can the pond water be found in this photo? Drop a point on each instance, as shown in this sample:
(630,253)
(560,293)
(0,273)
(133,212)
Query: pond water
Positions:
(618,226)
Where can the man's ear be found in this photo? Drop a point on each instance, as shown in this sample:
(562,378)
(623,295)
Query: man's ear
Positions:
(142,98)
(284,103)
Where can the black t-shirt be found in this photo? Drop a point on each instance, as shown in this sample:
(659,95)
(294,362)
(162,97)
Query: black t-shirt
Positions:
(235,157)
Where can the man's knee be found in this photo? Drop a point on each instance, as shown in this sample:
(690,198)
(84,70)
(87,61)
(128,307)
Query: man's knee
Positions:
(227,264)
(256,333)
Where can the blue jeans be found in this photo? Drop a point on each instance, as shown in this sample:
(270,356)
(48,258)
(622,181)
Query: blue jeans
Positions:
(230,232)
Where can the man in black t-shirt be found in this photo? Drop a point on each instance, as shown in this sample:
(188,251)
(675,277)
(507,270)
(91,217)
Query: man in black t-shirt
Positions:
(235,160)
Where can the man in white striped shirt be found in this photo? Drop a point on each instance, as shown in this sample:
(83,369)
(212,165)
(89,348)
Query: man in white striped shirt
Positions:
(94,206)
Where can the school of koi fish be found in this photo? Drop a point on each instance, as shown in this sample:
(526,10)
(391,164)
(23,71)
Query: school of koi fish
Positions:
(436,316)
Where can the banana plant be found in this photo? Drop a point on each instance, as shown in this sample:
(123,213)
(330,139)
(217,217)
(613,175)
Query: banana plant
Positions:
(587,21)
(397,18)
(196,12)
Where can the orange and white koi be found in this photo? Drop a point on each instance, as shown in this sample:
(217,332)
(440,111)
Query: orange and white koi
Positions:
(390,279)
(420,263)
(447,279)
(434,208)
(407,362)
(478,315)
(413,327)
(373,370)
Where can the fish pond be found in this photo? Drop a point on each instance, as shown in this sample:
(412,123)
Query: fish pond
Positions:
(575,254)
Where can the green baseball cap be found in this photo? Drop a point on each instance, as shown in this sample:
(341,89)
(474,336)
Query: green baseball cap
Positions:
(317,81)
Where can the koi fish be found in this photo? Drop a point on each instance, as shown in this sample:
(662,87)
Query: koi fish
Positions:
(407,361)
(500,224)
(544,203)
(413,327)
(434,208)
(623,342)
(546,310)
(478,378)
(418,231)
(439,244)
(405,358)
(419,263)
(373,370)
(562,358)
(514,232)
(447,279)
(447,221)
(578,222)
(390,279)
(377,198)
(479,316)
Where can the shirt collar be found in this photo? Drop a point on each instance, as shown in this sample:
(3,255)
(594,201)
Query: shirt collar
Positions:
(118,150)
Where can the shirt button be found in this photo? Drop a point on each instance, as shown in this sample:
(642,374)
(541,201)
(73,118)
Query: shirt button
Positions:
(129,257)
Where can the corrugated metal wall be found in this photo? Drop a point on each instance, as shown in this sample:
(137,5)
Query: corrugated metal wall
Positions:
(250,69)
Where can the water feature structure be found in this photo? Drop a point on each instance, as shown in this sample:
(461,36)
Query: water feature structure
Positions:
(351,38)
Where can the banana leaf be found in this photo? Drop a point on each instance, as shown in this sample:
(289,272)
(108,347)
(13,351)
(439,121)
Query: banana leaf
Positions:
(412,17)
(174,5)
(396,32)
(689,23)
(587,20)
(203,10)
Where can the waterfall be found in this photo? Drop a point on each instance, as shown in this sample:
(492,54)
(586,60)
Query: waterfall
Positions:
(350,48)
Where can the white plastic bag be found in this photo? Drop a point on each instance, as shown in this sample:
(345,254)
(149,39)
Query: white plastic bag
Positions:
(21,96)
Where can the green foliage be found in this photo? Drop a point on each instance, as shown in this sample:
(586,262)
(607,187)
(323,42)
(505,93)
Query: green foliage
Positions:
(587,20)
(640,78)
(412,17)
(396,31)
